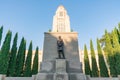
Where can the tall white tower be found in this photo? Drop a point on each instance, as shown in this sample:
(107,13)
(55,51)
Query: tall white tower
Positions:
(61,22)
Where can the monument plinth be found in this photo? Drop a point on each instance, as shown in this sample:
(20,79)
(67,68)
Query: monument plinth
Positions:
(71,50)
(52,66)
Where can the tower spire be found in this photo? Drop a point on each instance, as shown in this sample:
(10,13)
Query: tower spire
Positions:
(61,22)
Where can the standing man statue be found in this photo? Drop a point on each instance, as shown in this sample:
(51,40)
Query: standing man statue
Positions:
(60,48)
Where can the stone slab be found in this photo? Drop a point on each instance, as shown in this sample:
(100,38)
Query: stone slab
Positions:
(2,77)
(44,76)
(61,76)
(60,65)
(104,78)
(70,40)
(47,67)
(18,78)
(74,67)
(77,76)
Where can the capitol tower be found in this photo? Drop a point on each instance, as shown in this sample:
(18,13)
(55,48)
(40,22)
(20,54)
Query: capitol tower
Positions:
(61,21)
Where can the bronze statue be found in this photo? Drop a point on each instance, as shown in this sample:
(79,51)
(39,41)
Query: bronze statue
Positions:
(60,48)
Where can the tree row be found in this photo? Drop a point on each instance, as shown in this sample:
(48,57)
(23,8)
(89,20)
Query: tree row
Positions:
(108,50)
(15,61)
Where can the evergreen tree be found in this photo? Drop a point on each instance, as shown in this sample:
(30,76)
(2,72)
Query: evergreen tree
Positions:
(102,65)
(35,62)
(4,53)
(27,70)
(12,61)
(119,27)
(116,50)
(86,62)
(102,40)
(94,63)
(20,58)
(1,31)
(110,55)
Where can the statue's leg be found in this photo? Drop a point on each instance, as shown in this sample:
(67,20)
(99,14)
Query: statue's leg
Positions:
(59,56)
(63,55)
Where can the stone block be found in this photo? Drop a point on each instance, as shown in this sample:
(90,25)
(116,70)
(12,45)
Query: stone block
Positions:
(2,77)
(74,67)
(33,77)
(44,76)
(61,76)
(47,67)
(19,78)
(88,77)
(60,65)
(77,76)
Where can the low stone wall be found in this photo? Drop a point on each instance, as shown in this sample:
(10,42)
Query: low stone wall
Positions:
(2,77)
(104,79)
(30,78)
(18,78)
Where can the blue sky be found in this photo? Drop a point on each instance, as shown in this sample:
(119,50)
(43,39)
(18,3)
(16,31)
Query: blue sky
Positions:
(31,18)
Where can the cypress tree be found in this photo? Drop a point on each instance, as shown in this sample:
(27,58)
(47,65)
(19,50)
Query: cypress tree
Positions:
(27,70)
(102,65)
(35,62)
(20,58)
(86,62)
(12,61)
(1,31)
(117,32)
(116,50)
(119,27)
(94,63)
(4,53)
(110,55)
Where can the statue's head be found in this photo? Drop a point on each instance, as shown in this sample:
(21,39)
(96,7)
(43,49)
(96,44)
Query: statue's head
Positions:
(59,37)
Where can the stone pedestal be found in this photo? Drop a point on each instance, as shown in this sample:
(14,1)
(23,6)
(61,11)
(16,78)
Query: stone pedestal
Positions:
(69,68)
(60,73)
(60,69)
(60,66)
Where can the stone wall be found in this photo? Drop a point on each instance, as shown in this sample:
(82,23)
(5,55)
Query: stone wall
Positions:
(30,78)
(33,78)
(104,79)
(19,78)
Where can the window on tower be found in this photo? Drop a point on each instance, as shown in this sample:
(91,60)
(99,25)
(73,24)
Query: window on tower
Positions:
(61,14)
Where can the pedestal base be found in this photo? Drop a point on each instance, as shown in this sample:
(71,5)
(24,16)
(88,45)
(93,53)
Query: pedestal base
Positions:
(61,65)
(61,76)
(60,69)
